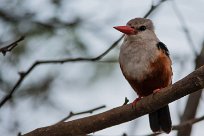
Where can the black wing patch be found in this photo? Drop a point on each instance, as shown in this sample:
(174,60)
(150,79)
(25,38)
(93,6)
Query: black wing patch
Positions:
(162,46)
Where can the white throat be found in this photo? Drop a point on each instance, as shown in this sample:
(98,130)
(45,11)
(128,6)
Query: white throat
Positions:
(136,54)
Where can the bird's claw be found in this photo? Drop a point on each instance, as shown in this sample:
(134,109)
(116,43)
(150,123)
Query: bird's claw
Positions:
(135,102)
(156,91)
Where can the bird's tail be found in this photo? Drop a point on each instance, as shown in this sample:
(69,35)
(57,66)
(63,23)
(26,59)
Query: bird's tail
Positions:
(160,120)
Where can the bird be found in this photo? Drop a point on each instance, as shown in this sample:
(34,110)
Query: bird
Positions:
(145,63)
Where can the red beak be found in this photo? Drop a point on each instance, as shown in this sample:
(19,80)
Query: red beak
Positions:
(125,29)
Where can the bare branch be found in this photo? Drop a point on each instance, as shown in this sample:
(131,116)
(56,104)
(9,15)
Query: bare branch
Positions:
(71,114)
(11,46)
(191,83)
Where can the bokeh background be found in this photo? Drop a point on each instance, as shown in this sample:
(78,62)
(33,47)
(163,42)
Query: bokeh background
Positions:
(56,29)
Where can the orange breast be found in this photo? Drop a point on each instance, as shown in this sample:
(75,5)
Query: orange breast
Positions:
(159,77)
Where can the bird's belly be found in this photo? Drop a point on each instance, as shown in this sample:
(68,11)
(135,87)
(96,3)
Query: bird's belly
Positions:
(136,70)
(136,66)
(145,76)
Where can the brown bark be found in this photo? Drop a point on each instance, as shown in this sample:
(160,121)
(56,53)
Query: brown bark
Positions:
(191,83)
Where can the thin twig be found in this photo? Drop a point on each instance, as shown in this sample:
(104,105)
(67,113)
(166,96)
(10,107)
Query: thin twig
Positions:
(184,27)
(11,46)
(71,114)
(153,7)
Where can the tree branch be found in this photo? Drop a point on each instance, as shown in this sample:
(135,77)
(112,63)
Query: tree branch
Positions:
(11,46)
(191,83)
(71,114)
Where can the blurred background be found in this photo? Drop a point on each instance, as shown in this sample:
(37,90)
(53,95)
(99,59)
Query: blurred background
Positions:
(56,29)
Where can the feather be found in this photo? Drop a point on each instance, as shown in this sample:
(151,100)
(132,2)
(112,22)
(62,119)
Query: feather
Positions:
(162,46)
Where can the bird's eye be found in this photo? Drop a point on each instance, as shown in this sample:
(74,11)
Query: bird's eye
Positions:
(142,28)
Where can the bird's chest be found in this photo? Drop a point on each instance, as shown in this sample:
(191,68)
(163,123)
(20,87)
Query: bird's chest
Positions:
(135,60)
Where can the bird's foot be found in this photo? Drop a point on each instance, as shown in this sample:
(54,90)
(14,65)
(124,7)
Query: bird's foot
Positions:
(156,91)
(135,102)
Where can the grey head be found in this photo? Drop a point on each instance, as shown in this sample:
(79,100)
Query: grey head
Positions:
(141,24)
(143,30)
(138,29)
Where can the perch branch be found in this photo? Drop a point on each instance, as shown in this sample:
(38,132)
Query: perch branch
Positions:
(191,83)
